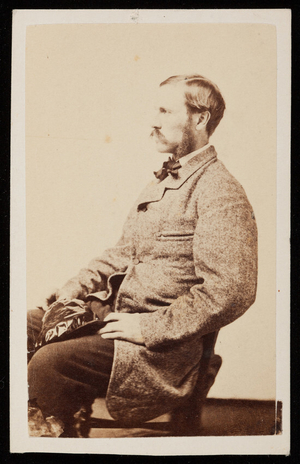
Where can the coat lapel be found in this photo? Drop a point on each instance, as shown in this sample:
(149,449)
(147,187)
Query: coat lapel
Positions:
(156,189)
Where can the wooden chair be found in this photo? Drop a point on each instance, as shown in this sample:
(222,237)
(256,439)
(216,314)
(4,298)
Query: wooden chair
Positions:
(185,420)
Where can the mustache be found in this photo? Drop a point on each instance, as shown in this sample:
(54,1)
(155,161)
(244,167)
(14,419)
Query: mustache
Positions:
(158,134)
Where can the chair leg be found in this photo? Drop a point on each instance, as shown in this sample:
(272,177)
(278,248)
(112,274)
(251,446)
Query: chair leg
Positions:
(82,422)
(186,420)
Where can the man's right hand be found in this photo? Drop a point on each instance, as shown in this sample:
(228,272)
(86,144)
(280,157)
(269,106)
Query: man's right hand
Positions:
(100,309)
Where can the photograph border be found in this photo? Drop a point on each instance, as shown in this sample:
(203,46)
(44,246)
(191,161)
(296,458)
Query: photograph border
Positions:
(19,441)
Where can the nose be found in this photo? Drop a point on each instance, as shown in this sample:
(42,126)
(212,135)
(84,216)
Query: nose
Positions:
(156,122)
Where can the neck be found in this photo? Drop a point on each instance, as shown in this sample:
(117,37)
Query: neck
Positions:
(189,147)
(201,141)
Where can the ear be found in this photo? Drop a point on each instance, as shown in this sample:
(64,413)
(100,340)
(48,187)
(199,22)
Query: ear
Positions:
(203,119)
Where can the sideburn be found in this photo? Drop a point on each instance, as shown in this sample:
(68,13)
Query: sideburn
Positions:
(187,143)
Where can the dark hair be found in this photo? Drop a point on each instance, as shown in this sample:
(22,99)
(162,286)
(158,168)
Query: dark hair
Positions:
(201,95)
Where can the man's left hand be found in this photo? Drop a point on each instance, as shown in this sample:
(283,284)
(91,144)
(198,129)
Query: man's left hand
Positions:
(123,326)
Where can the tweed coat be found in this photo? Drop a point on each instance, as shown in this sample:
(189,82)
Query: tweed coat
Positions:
(187,262)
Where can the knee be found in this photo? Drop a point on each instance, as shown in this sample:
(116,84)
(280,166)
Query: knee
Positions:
(44,361)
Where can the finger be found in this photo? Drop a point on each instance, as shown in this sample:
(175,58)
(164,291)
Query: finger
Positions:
(113,335)
(111,327)
(112,317)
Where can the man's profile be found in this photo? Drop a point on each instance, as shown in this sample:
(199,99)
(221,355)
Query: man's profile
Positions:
(185,266)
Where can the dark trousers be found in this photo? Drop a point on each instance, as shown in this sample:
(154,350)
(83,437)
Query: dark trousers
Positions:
(67,375)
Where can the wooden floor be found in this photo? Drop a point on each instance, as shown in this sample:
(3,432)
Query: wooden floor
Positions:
(221,417)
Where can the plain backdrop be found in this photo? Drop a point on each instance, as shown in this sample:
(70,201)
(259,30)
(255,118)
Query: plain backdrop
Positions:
(89,106)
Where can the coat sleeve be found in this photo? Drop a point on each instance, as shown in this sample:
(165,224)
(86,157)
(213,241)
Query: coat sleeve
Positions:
(225,260)
(94,277)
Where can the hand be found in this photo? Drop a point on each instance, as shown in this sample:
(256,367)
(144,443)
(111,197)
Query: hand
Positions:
(123,326)
(100,309)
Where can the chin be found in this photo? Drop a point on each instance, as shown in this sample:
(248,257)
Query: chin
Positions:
(161,148)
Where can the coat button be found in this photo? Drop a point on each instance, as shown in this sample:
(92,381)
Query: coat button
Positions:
(136,261)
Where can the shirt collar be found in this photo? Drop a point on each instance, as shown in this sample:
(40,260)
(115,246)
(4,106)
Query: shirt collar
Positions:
(187,158)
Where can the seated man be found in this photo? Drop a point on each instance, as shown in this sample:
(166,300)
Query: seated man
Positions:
(185,266)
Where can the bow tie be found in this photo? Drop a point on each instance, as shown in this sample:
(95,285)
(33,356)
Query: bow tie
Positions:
(169,167)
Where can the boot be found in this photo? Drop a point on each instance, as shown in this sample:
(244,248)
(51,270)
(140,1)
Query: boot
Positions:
(38,426)
(51,426)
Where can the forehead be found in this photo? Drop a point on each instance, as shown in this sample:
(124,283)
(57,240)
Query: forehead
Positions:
(171,97)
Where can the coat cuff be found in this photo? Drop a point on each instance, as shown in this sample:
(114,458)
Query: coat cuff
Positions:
(149,323)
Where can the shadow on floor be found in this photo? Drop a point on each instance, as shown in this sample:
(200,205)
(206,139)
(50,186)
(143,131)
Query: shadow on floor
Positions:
(220,417)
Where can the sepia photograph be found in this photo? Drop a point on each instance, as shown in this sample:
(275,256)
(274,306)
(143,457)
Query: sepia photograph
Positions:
(147,234)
